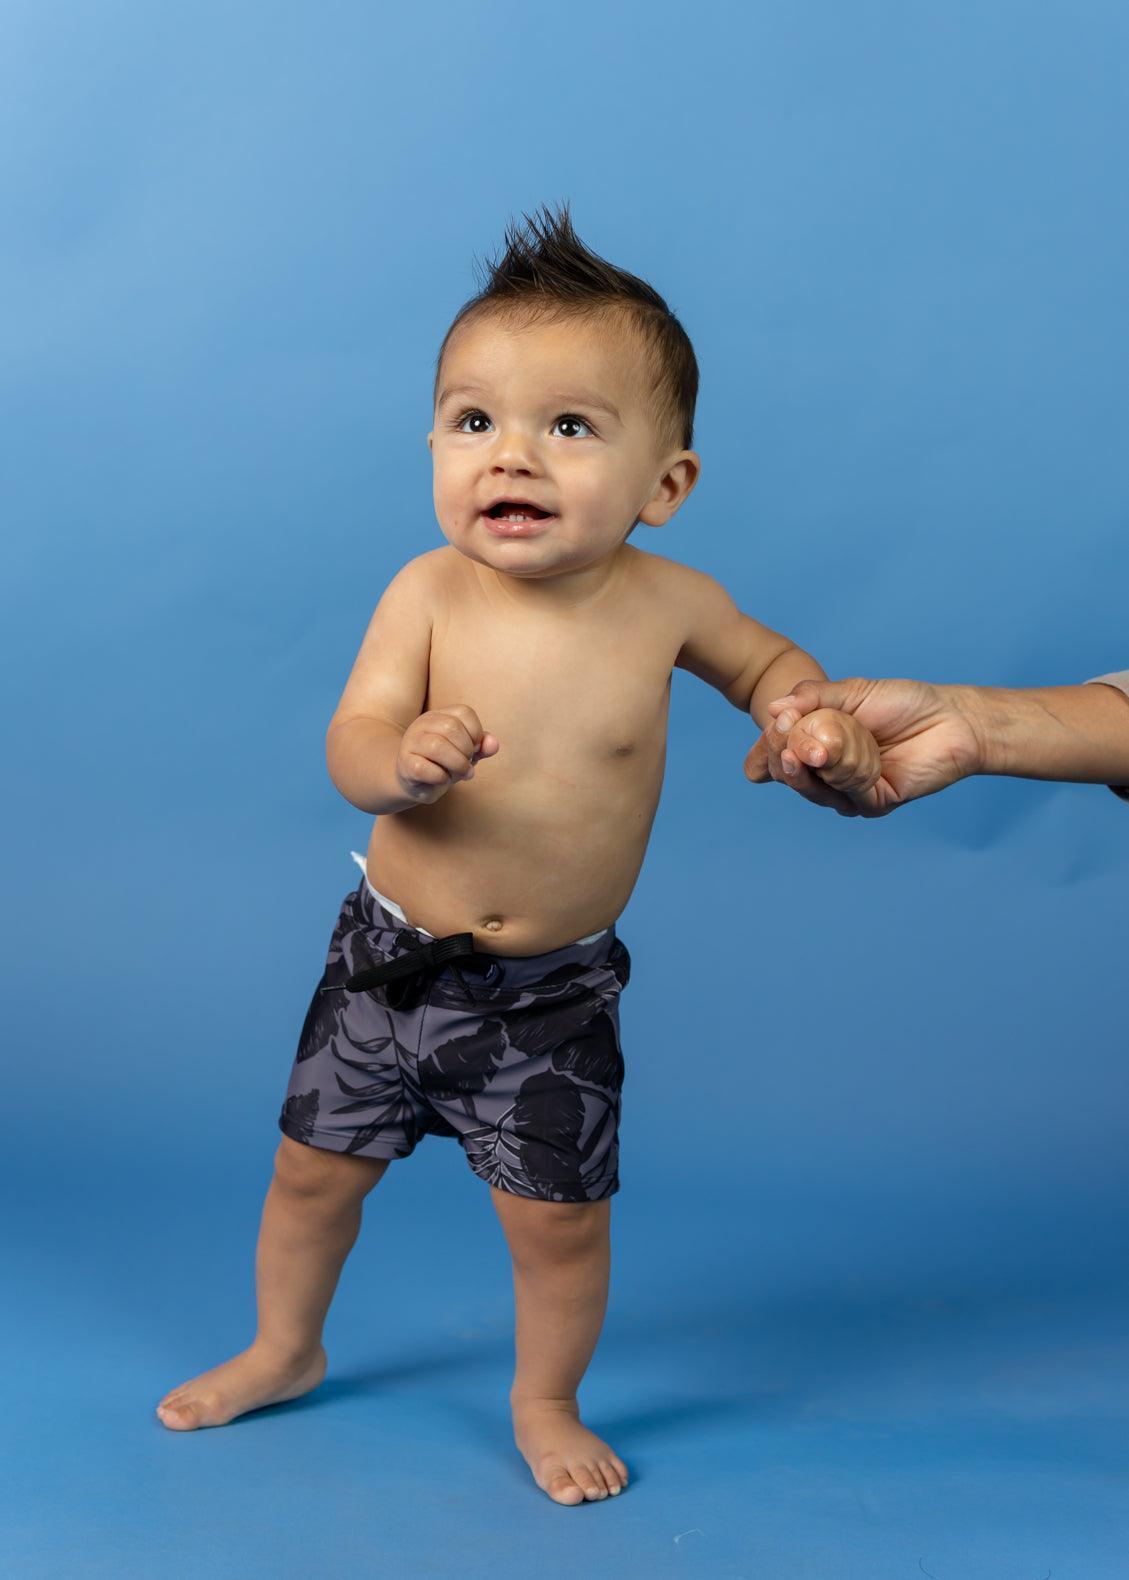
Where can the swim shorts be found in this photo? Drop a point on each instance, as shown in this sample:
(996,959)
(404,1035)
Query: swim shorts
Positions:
(518,1057)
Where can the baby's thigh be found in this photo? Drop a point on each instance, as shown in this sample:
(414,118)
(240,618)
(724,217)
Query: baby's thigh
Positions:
(319,1172)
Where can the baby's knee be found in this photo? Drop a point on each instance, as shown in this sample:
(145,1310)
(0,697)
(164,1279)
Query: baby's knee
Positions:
(551,1228)
(316,1173)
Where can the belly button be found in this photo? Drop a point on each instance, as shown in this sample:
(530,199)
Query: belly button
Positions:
(493,923)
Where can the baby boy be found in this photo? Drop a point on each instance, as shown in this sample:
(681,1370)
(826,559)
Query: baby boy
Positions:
(505,723)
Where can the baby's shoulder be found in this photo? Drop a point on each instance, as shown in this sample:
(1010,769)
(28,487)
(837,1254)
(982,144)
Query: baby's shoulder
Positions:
(428,574)
(434,562)
(660,577)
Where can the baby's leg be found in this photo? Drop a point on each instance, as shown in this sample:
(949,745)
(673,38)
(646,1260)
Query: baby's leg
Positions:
(561,1256)
(311,1217)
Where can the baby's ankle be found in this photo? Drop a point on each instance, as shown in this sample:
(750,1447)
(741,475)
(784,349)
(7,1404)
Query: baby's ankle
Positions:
(523,1400)
(283,1351)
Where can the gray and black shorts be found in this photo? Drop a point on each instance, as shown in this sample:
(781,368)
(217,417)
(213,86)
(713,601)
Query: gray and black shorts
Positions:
(518,1057)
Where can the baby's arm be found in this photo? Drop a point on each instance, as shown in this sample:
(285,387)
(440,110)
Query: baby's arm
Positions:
(731,651)
(745,661)
(383,753)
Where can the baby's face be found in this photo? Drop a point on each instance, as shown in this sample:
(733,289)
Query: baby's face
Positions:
(547,415)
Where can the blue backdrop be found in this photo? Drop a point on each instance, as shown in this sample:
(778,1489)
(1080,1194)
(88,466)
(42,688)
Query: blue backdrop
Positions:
(867,1312)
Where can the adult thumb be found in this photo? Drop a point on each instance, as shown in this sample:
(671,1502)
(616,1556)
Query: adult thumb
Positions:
(756,763)
(808,695)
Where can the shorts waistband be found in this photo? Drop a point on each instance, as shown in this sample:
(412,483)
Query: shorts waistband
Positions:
(390,905)
(384,916)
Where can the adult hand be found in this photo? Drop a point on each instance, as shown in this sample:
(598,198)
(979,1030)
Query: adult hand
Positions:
(843,763)
(926,741)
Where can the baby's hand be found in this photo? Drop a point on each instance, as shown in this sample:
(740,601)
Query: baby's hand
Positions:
(440,748)
(832,744)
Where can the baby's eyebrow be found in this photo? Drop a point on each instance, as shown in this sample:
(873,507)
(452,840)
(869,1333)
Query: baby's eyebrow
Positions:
(459,389)
(583,398)
(577,398)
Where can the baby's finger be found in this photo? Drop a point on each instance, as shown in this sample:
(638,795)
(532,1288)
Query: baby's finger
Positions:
(487,747)
(817,742)
(853,763)
(775,739)
(443,738)
(812,787)
(778,731)
(796,774)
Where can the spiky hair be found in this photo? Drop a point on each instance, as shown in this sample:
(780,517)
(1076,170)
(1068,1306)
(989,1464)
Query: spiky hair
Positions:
(547,273)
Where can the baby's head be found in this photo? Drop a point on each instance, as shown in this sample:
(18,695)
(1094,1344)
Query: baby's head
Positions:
(569,386)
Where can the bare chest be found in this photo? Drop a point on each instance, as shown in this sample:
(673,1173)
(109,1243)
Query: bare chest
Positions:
(562,692)
(544,844)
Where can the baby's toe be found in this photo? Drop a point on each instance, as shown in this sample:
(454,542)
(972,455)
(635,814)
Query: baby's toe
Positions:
(181,1417)
(589,1479)
(563,1489)
(610,1475)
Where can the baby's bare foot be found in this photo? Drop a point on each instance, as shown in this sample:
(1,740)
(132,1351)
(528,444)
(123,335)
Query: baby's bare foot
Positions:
(254,1378)
(568,1461)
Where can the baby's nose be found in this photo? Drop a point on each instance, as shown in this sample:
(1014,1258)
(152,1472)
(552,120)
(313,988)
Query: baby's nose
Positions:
(513,452)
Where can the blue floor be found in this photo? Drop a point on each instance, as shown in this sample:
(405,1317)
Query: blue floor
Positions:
(786,1408)
(869,1310)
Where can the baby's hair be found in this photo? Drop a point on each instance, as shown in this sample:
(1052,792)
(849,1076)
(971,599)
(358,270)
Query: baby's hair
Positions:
(547,273)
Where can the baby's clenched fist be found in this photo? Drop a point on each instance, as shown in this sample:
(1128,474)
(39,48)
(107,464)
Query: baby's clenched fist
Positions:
(832,744)
(439,749)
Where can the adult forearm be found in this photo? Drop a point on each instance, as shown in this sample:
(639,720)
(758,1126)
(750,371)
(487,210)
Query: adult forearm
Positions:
(361,756)
(1079,733)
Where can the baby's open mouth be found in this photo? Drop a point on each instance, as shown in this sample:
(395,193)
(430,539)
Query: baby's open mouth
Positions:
(517,509)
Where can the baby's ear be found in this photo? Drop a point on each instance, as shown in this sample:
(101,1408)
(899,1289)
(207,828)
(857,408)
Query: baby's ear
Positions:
(431,440)
(671,489)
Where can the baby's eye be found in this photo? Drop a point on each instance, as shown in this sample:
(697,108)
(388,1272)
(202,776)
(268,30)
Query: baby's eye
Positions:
(568,417)
(471,416)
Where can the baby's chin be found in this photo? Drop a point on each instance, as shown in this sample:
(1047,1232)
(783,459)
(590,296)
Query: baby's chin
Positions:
(574,546)
(527,559)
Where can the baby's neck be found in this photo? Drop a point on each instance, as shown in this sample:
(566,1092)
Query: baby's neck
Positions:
(557,591)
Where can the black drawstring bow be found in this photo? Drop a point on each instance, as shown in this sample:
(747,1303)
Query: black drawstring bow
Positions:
(414,963)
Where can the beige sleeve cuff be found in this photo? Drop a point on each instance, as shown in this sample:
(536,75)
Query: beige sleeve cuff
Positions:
(1120,679)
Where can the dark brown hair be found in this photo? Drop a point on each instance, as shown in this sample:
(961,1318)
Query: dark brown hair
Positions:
(547,273)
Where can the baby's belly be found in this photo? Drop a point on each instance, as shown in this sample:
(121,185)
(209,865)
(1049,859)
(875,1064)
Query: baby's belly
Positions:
(526,870)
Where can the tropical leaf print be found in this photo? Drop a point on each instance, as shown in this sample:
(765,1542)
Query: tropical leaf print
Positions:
(362,1014)
(593,1054)
(300,1115)
(547,1121)
(320,1023)
(462,1066)
(378,1127)
(539,1027)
